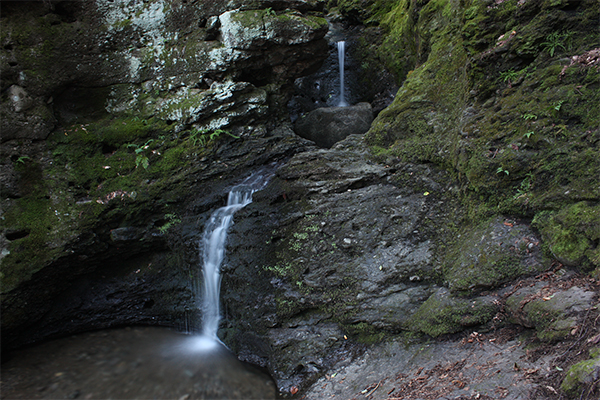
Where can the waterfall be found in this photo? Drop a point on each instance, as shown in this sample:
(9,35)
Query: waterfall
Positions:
(341,46)
(213,249)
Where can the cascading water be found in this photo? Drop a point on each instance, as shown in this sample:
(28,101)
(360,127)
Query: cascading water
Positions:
(341,46)
(213,250)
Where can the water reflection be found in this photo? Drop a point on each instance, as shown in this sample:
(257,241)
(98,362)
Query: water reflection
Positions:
(132,363)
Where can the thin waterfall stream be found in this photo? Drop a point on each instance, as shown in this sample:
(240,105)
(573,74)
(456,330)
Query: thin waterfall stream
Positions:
(341,46)
(149,362)
(213,251)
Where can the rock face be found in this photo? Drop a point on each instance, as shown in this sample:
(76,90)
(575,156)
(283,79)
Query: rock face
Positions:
(125,124)
(150,57)
(140,94)
(335,247)
(327,126)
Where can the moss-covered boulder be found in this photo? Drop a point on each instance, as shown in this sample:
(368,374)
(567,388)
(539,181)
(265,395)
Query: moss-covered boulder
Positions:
(492,253)
(443,313)
(572,234)
(583,375)
(552,312)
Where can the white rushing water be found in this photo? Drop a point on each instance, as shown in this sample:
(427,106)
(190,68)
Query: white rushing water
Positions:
(341,46)
(213,251)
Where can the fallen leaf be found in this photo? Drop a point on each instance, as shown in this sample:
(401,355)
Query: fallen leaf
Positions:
(530,371)
(294,390)
(594,340)
(574,330)
(551,389)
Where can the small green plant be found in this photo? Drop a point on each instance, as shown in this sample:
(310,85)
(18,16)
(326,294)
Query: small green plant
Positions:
(271,12)
(301,236)
(141,158)
(204,136)
(556,40)
(509,76)
(279,270)
(558,104)
(525,186)
(312,228)
(528,134)
(21,160)
(502,170)
(199,137)
(172,219)
(529,116)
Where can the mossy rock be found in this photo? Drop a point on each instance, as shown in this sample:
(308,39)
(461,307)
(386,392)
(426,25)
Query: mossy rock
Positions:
(553,314)
(582,375)
(442,313)
(487,101)
(490,254)
(572,233)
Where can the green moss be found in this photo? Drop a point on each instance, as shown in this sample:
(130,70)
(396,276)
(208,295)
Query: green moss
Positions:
(572,233)
(365,333)
(550,160)
(43,223)
(582,375)
(34,217)
(91,184)
(441,314)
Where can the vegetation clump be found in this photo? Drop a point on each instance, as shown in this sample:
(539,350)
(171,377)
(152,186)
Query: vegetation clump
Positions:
(485,96)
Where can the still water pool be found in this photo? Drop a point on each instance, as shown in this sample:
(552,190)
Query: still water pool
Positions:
(131,363)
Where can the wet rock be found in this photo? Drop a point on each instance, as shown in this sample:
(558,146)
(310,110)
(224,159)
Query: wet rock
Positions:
(126,234)
(253,29)
(571,233)
(303,352)
(331,242)
(329,125)
(553,312)
(443,313)
(493,253)
(583,375)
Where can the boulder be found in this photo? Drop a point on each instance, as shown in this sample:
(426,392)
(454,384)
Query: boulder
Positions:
(442,313)
(583,375)
(492,253)
(552,311)
(327,126)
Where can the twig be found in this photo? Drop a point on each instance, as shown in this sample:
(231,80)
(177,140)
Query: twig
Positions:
(374,389)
